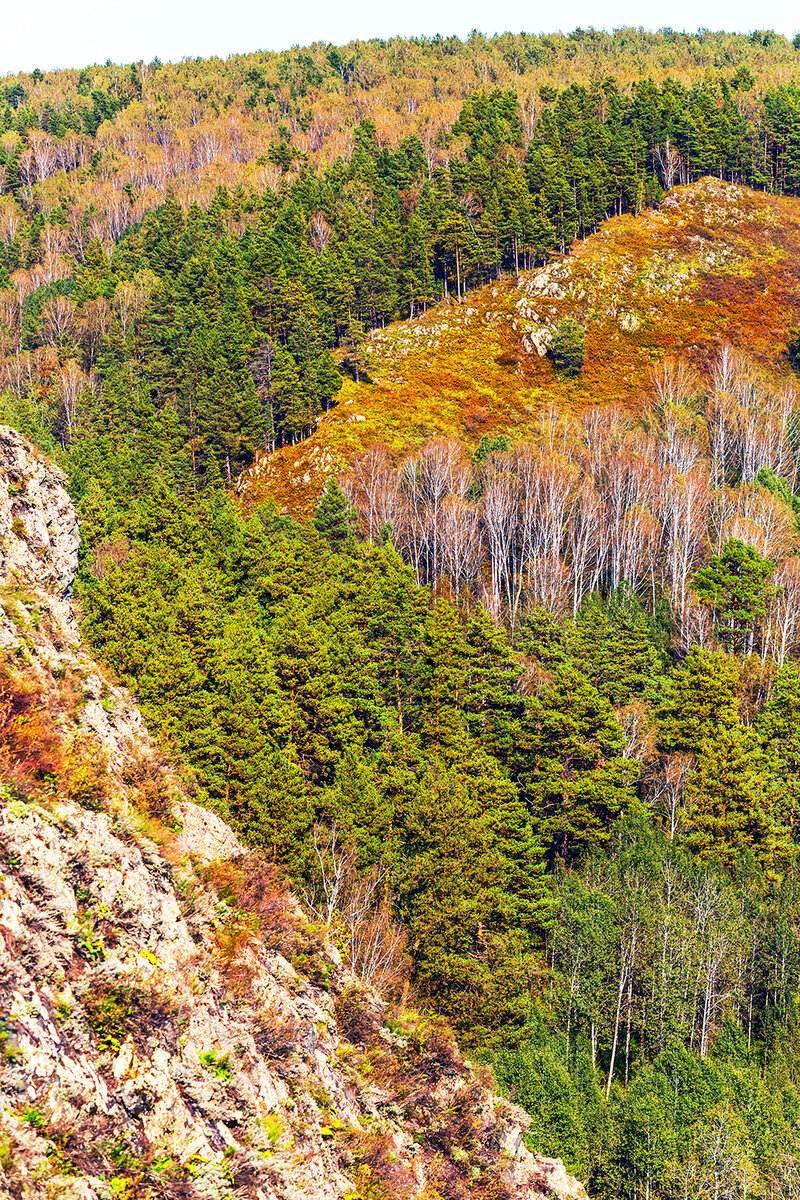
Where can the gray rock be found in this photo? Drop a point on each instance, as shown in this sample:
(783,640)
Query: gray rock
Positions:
(135,1099)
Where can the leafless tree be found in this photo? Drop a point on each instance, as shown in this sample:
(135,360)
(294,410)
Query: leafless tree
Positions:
(59,319)
(634,722)
(772,523)
(9,222)
(670,164)
(437,471)
(372,488)
(780,632)
(683,505)
(461,543)
(674,383)
(500,500)
(667,791)
(603,434)
(358,904)
(319,232)
(631,484)
(44,152)
(71,384)
(586,546)
(783,1177)
(10,312)
(94,326)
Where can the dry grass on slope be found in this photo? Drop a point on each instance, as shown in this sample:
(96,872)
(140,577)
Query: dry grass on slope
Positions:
(714,264)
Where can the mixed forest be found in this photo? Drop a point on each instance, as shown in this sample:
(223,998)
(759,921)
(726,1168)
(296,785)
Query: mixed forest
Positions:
(521,719)
(211,229)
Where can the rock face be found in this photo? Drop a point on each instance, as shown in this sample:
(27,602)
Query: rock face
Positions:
(38,523)
(170,1024)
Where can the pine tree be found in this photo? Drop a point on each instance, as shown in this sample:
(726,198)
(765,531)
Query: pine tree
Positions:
(612,646)
(731,799)
(735,588)
(700,697)
(442,679)
(364,814)
(273,810)
(328,379)
(392,611)
(472,890)
(568,347)
(355,340)
(316,711)
(213,480)
(576,780)
(492,706)
(96,513)
(334,519)
(541,638)
(779,734)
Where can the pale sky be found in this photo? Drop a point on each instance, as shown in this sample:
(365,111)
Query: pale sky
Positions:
(55,33)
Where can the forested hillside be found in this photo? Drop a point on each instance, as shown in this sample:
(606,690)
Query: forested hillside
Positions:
(515,709)
(213,228)
(713,265)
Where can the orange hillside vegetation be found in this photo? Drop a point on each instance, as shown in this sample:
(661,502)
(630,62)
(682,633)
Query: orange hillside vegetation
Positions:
(715,263)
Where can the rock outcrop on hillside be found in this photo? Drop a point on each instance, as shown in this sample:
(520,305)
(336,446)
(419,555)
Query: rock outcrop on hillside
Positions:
(713,264)
(170,1023)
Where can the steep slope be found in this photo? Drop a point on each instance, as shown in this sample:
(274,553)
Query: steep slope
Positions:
(170,1023)
(714,263)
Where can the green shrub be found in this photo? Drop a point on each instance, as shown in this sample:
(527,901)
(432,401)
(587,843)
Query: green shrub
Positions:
(115,1011)
(217,1064)
(568,347)
(793,349)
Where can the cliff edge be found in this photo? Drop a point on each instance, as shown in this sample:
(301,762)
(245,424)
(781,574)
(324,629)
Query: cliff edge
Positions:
(171,1024)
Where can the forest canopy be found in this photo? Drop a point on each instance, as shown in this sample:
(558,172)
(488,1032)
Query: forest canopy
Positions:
(533,702)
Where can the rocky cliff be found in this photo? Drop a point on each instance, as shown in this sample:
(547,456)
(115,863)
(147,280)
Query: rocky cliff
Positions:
(170,1023)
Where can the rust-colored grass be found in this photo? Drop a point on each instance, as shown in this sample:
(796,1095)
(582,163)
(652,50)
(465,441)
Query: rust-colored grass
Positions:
(715,264)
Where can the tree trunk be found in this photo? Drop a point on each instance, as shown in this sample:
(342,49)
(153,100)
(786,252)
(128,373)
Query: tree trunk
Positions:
(622,975)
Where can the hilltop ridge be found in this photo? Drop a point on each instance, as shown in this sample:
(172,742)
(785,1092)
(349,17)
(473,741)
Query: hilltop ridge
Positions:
(712,264)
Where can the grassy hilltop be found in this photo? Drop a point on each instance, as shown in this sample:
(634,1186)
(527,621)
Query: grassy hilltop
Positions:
(714,264)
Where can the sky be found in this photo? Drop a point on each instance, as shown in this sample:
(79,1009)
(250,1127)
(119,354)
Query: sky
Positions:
(50,33)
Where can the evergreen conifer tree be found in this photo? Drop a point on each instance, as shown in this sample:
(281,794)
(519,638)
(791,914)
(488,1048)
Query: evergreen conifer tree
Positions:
(700,697)
(333,517)
(494,709)
(735,588)
(731,799)
(576,781)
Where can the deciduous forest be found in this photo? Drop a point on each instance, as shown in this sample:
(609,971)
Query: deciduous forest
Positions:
(521,716)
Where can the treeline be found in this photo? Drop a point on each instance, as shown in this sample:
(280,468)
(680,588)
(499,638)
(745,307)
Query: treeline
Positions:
(416,168)
(222,323)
